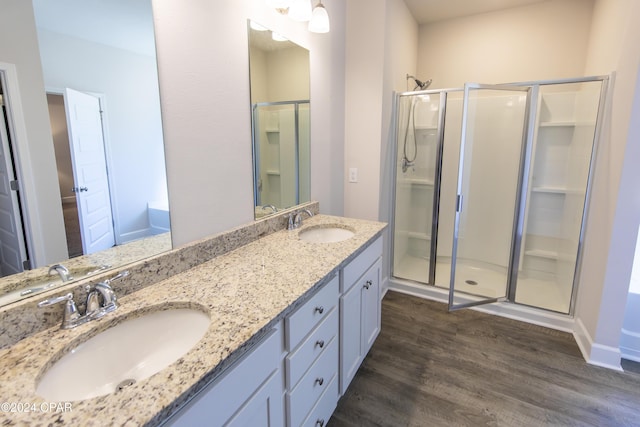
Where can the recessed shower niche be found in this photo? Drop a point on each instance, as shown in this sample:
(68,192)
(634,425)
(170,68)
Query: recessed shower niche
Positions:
(491,188)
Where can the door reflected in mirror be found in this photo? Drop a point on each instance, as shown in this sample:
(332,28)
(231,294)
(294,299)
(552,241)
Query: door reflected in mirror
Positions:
(100,77)
(279,73)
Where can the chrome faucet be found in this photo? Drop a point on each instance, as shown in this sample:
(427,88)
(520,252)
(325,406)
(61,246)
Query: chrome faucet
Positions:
(62,271)
(295,221)
(94,308)
(273,208)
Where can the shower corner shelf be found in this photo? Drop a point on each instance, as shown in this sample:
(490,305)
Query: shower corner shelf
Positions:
(556,190)
(563,123)
(426,127)
(415,235)
(418,181)
(552,255)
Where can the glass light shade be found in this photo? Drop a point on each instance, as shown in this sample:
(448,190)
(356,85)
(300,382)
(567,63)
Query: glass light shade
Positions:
(319,20)
(300,10)
(279,4)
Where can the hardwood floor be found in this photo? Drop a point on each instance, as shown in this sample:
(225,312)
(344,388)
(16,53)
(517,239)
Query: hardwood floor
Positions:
(429,367)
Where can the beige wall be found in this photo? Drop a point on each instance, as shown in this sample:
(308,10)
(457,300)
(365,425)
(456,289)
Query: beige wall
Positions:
(614,212)
(545,40)
(363,100)
(204,83)
(19,47)
(279,75)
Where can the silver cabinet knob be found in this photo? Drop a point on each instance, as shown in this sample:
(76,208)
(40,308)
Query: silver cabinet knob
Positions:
(368,284)
(320,309)
(320,381)
(320,343)
(79,189)
(320,423)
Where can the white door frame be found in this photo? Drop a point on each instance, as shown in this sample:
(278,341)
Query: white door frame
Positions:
(22,159)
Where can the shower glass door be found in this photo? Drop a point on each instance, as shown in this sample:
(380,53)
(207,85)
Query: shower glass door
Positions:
(419,127)
(493,141)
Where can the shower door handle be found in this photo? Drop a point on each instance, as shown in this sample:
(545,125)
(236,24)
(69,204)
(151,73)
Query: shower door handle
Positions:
(459,203)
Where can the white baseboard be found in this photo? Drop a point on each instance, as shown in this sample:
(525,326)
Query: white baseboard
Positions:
(596,354)
(134,235)
(630,345)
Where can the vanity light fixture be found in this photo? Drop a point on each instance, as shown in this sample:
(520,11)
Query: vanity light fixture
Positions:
(302,11)
(319,19)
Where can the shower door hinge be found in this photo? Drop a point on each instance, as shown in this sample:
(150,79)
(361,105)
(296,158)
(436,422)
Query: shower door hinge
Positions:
(459,203)
(14,185)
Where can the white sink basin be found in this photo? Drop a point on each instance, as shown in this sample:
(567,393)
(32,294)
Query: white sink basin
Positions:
(325,234)
(119,356)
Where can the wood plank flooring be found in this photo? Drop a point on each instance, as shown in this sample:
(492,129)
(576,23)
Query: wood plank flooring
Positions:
(429,367)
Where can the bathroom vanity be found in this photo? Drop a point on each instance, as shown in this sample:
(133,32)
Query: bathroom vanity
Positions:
(290,323)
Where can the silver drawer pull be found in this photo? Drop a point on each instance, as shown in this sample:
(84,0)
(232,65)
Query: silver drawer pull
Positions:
(320,381)
(320,343)
(320,309)
(368,284)
(320,423)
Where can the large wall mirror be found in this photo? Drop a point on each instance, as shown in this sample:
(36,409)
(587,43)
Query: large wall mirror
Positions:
(279,72)
(100,75)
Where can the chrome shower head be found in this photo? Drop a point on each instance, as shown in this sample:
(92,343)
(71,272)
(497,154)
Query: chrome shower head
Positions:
(420,85)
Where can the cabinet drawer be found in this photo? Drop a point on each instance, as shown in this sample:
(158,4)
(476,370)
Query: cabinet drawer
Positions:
(303,320)
(311,348)
(360,264)
(320,414)
(305,395)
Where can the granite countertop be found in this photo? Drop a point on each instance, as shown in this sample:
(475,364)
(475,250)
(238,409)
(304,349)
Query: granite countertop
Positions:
(245,292)
(84,266)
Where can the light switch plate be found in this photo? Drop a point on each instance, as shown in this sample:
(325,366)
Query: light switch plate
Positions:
(353,174)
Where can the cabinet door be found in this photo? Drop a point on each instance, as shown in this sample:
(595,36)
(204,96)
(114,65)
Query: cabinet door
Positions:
(350,337)
(249,390)
(264,408)
(370,288)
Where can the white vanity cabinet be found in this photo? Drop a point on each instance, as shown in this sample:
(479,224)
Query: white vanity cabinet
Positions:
(296,374)
(249,393)
(359,310)
(311,335)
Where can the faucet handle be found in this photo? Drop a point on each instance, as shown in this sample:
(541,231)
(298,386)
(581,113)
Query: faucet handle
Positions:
(291,222)
(71,316)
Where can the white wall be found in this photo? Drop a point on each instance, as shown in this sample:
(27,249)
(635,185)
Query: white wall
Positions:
(614,213)
(364,74)
(19,46)
(630,339)
(401,51)
(129,83)
(545,40)
(204,79)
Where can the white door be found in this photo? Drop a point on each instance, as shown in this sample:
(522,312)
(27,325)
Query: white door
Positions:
(12,245)
(89,170)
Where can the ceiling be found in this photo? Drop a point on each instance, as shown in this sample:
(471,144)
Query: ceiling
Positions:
(125,24)
(428,11)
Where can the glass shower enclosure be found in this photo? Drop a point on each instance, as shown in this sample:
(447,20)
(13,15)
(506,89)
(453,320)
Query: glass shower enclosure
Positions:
(281,153)
(491,189)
